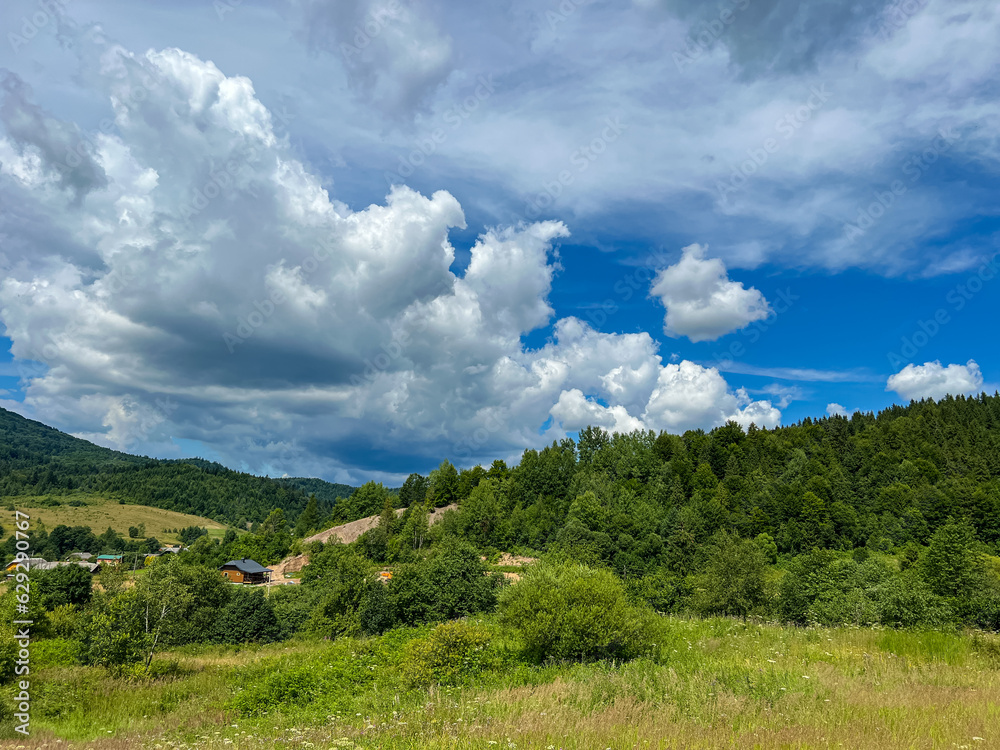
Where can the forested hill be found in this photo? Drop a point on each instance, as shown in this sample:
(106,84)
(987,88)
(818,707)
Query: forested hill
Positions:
(322,489)
(39,460)
(27,443)
(641,500)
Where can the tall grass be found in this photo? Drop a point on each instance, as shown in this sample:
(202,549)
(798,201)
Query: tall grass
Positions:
(709,684)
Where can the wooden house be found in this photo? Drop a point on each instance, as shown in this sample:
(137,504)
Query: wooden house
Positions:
(245,571)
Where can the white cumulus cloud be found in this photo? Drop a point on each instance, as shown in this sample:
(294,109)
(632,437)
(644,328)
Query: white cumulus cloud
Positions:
(702,302)
(836,410)
(933,380)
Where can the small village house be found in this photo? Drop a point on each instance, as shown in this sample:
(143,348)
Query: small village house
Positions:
(245,571)
(39,563)
(110,559)
(91,568)
(31,563)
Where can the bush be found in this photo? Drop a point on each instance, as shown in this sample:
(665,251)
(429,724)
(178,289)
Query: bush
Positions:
(248,617)
(451,584)
(55,652)
(569,611)
(951,565)
(453,651)
(292,606)
(735,582)
(904,601)
(295,686)
(375,615)
(65,584)
(854,607)
(661,590)
(65,621)
(115,637)
(812,576)
(985,611)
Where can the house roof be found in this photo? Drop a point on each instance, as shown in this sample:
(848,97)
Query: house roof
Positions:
(80,555)
(246,565)
(90,567)
(110,557)
(32,562)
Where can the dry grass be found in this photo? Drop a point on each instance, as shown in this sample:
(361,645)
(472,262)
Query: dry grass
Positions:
(99,513)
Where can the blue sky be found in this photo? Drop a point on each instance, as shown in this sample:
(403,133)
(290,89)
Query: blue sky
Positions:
(349,239)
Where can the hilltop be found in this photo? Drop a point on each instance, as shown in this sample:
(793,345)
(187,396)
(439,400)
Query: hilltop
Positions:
(40,461)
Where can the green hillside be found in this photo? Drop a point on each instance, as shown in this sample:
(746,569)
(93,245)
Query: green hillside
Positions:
(323,490)
(37,460)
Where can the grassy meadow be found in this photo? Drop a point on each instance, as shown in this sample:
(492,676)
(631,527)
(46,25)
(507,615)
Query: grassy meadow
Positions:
(99,513)
(708,684)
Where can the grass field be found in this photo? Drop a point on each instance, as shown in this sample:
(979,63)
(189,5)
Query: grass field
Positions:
(100,512)
(713,684)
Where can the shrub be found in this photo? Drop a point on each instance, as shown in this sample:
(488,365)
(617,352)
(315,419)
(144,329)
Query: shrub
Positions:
(854,607)
(904,601)
(65,584)
(115,637)
(55,652)
(453,651)
(570,611)
(65,621)
(291,686)
(985,611)
(248,617)
(951,565)
(450,584)
(735,582)
(292,606)
(661,590)
(810,577)
(375,615)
